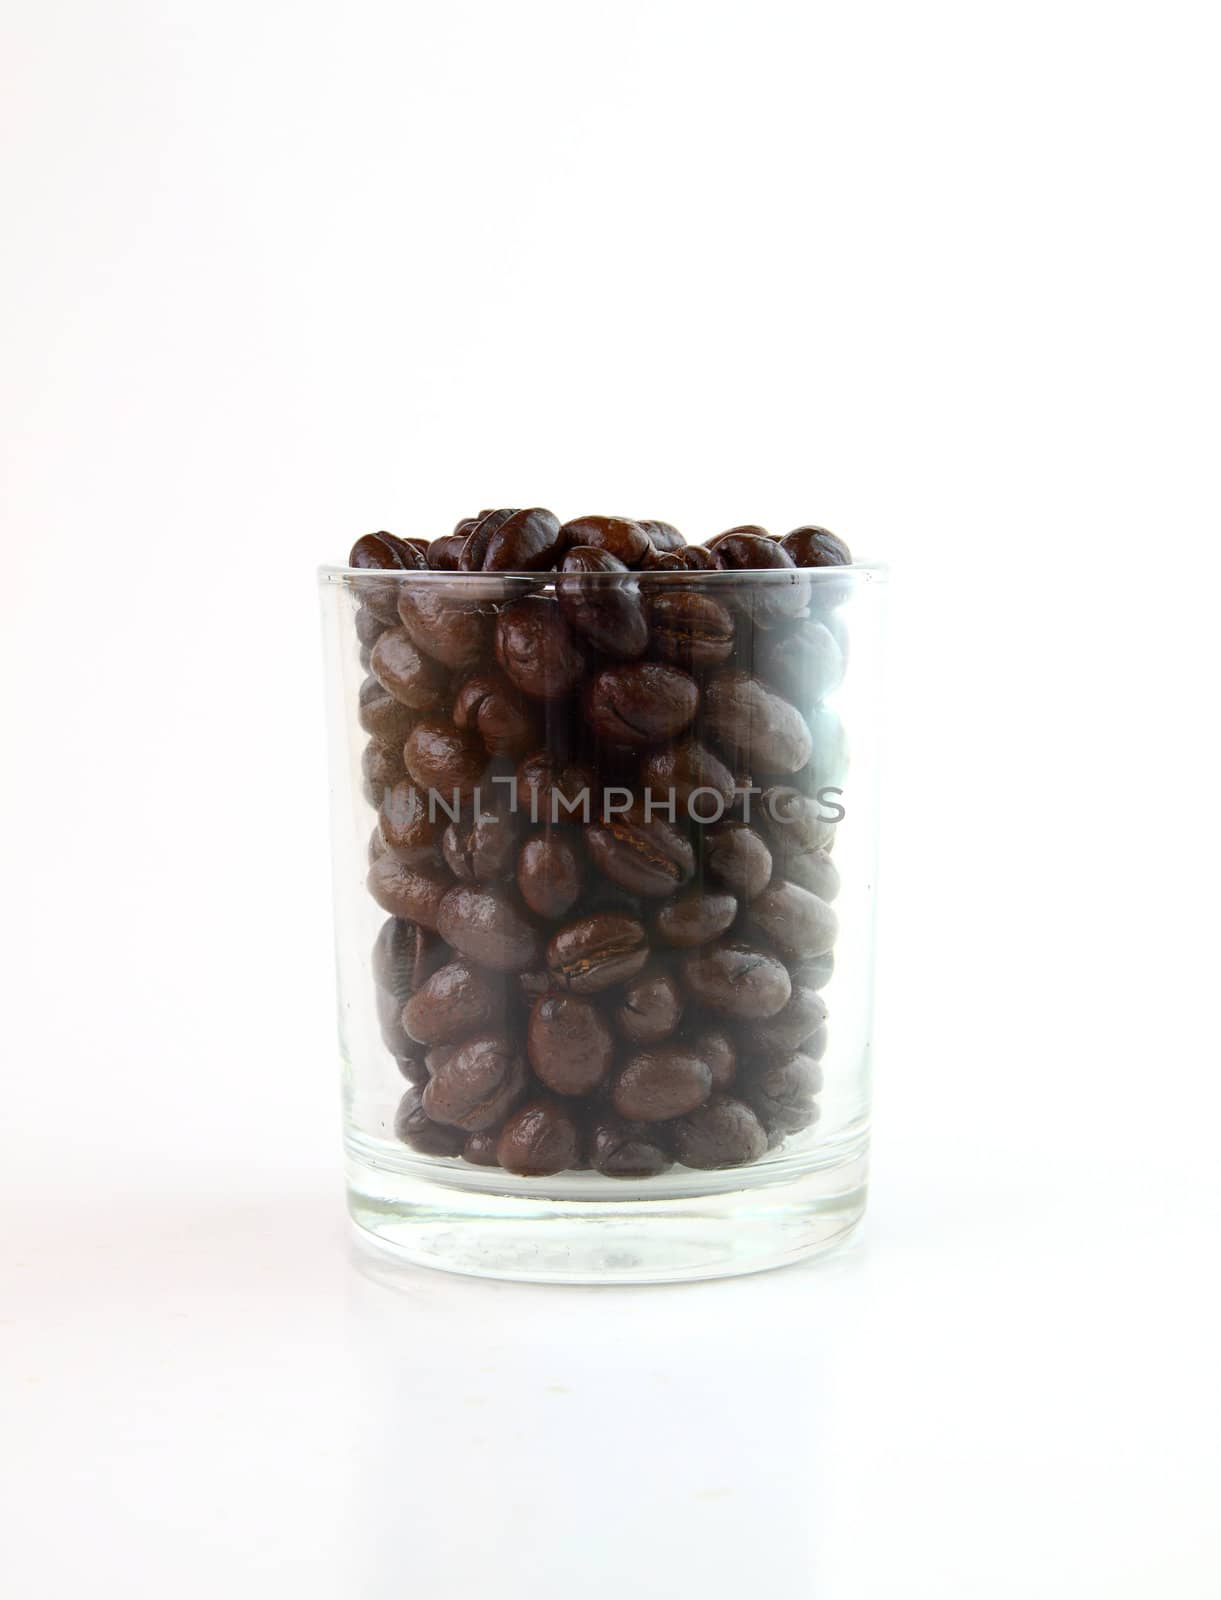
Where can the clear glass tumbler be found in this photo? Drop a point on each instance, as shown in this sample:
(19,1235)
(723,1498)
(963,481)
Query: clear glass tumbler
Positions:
(604,864)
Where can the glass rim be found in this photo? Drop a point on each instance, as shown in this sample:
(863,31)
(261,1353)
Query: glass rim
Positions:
(873,571)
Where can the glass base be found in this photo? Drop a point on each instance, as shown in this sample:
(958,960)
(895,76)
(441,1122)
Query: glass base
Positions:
(590,1230)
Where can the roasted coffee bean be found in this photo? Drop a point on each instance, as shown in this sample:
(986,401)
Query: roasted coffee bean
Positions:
(528,541)
(537,648)
(369,626)
(445,554)
(609,614)
(489,926)
(828,763)
(407,829)
(413,1069)
(789,1029)
(457,1000)
(480,848)
(540,1138)
(384,553)
(649,858)
(377,847)
(664,561)
(390,1024)
(816,547)
(805,663)
(791,821)
(675,772)
(718,1051)
(650,1008)
(440,619)
(602,895)
(380,714)
(754,724)
(691,629)
(813,972)
(382,765)
(781,1093)
(627,541)
(489,705)
(404,956)
(569,1043)
(598,951)
(724,1133)
(548,875)
(813,870)
(695,917)
(749,552)
(551,790)
(744,530)
(664,536)
(532,985)
(641,702)
(477,1084)
(413,892)
(792,919)
(415,1128)
(737,981)
(664,1082)
(697,559)
(474,551)
(440,758)
(480,1150)
(621,1149)
(735,855)
(816,1045)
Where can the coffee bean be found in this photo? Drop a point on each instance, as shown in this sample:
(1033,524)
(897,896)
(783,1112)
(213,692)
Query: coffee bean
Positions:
(548,875)
(717,1050)
(489,705)
(695,917)
(444,623)
(474,551)
(650,1008)
(415,1128)
(412,892)
(609,614)
(540,1138)
(805,663)
(537,648)
(597,951)
(569,1043)
(383,552)
(551,790)
(813,972)
(621,1149)
(664,535)
(413,1069)
(440,758)
(789,1029)
(735,855)
(489,926)
(404,956)
(648,858)
(445,553)
(382,765)
(477,1084)
(481,848)
(407,829)
(641,702)
(724,1133)
(754,724)
(795,921)
(736,980)
(406,672)
(663,1082)
(791,822)
(690,629)
(390,1024)
(628,542)
(528,541)
(457,1000)
(480,1149)
(675,772)
(813,870)
(781,1093)
(380,714)
(816,547)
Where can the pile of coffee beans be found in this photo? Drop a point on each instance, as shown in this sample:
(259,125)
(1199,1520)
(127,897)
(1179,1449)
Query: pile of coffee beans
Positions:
(606,795)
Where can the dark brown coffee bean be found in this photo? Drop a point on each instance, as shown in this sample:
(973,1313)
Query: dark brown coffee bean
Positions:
(724,1133)
(413,1069)
(384,553)
(415,1128)
(548,875)
(480,848)
(754,724)
(816,547)
(676,772)
(477,1083)
(627,541)
(407,830)
(805,663)
(480,1150)
(551,790)
(528,541)
(390,1023)
(660,1083)
(404,956)
(781,1093)
(640,702)
(789,1029)
(813,870)
(597,951)
(621,1149)
(691,629)
(540,1138)
(695,917)
(749,552)
(735,855)
(441,759)
(457,1000)
(718,1051)
(797,922)
(488,926)
(664,561)
(444,554)
(664,535)
(534,984)
(648,858)
(489,705)
(737,981)
(791,822)
(569,1043)
(651,1007)
(369,626)
(697,559)
(440,619)
(474,551)
(382,766)
(380,714)
(610,614)
(537,648)
(413,892)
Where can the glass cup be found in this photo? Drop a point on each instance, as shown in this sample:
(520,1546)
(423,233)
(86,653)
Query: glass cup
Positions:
(604,867)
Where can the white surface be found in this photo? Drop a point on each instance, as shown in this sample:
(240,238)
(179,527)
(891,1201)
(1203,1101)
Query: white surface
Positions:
(942,277)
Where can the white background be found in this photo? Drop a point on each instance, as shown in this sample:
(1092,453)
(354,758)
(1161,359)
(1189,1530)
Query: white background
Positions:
(943,277)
